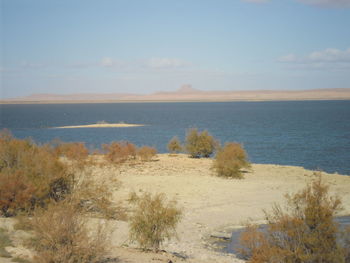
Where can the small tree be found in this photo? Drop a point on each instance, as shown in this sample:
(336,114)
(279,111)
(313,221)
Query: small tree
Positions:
(200,144)
(174,145)
(306,232)
(153,220)
(230,160)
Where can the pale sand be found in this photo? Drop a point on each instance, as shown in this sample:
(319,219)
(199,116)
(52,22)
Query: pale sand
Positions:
(211,205)
(102,125)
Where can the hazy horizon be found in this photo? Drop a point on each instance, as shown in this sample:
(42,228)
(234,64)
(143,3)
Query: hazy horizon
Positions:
(142,47)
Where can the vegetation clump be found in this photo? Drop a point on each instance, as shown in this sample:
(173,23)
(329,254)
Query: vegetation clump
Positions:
(174,145)
(230,160)
(153,220)
(200,144)
(305,232)
(30,176)
(74,151)
(146,153)
(61,235)
(119,152)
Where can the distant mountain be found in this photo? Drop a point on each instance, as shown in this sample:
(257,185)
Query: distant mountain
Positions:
(187,89)
(187,93)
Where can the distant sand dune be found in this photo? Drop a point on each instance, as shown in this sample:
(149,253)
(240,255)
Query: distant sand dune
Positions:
(101,125)
(186,93)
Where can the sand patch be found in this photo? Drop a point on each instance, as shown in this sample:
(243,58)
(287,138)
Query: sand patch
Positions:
(102,125)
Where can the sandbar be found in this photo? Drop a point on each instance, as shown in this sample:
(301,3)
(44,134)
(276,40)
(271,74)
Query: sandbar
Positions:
(101,125)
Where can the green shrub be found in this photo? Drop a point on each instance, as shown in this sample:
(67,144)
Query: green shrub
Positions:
(61,235)
(230,160)
(174,145)
(146,153)
(305,232)
(200,144)
(153,220)
(119,152)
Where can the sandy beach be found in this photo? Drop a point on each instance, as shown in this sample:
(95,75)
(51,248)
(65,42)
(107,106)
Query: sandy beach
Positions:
(214,206)
(211,206)
(101,125)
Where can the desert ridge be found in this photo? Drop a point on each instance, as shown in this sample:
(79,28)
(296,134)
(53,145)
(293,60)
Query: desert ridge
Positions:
(187,93)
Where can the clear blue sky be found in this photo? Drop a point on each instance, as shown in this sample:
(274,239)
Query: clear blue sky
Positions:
(103,46)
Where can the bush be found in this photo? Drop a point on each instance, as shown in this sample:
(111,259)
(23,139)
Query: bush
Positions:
(61,235)
(119,152)
(93,195)
(174,145)
(16,194)
(230,160)
(75,151)
(30,175)
(305,233)
(146,153)
(153,220)
(200,144)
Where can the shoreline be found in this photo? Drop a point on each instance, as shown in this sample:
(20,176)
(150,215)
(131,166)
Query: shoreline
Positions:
(3,102)
(212,206)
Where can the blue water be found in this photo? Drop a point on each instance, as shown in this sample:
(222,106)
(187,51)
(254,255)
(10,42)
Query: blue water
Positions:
(312,134)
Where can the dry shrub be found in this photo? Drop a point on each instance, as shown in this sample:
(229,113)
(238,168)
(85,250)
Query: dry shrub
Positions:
(200,144)
(146,153)
(75,151)
(230,160)
(119,152)
(35,170)
(174,145)
(61,235)
(305,232)
(153,220)
(16,193)
(92,195)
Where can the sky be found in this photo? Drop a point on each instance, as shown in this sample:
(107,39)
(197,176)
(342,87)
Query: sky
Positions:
(145,46)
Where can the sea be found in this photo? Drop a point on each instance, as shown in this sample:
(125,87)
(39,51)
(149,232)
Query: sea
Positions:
(312,134)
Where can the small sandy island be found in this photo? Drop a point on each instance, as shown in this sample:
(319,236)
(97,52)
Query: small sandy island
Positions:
(211,206)
(101,125)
